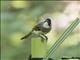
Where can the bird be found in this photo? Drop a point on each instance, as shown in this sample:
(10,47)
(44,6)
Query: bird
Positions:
(40,29)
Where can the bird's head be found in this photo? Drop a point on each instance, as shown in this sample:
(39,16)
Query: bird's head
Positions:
(48,20)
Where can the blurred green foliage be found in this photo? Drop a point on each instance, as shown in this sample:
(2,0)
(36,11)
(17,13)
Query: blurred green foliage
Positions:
(18,18)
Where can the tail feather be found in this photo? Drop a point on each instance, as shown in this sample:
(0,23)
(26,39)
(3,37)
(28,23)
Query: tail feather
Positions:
(26,36)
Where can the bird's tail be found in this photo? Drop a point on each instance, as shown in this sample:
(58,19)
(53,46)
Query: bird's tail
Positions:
(26,36)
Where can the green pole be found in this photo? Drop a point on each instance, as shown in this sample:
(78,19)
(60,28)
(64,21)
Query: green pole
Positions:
(38,48)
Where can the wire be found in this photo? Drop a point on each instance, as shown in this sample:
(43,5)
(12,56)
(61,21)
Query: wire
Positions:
(62,38)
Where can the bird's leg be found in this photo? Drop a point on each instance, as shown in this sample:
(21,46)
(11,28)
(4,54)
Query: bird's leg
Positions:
(43,37)
(46,38)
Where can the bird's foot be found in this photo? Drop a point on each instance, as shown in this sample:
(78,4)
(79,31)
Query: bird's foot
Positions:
(43,37)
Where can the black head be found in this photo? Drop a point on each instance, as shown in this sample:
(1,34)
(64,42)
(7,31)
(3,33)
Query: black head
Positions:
(48,20)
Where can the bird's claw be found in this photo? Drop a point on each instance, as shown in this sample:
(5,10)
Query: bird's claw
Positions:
(43,37)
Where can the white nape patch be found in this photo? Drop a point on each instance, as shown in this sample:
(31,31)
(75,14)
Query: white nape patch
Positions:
(46,25)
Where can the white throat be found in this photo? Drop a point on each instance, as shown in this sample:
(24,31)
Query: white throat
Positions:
(46,25)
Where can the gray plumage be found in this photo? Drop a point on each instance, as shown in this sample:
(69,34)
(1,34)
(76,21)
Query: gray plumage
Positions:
(42,28)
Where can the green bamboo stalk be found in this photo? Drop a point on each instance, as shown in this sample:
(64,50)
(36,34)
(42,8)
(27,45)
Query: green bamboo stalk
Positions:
(65,34)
